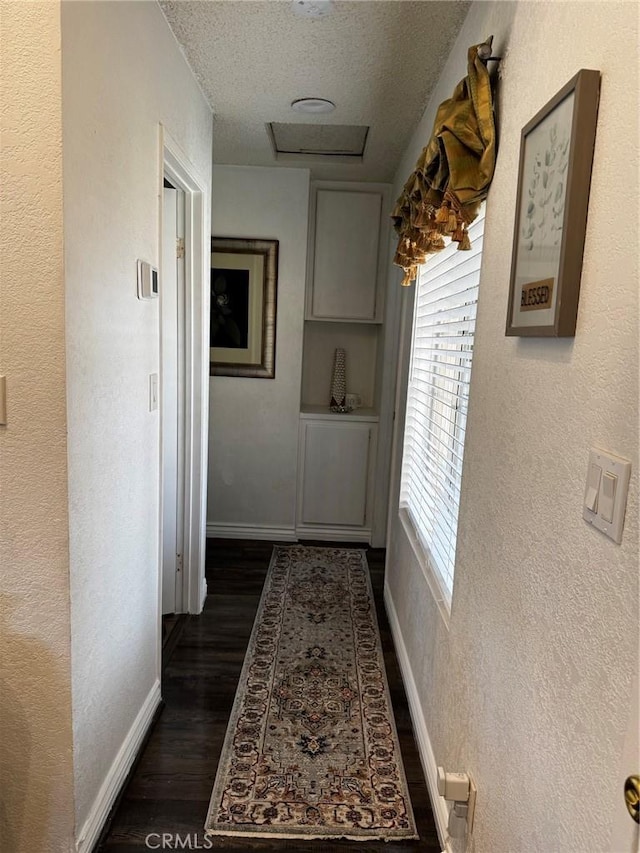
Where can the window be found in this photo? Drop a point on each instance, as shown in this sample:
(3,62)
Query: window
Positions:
(437,398)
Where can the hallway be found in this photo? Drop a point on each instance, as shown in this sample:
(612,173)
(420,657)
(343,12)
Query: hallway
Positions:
(170,788)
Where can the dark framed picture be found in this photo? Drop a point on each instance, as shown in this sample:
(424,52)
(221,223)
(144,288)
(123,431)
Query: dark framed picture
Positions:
(244,281)
(554,176)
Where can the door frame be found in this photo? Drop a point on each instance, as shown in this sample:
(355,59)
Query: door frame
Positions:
(177,168)
(173,216)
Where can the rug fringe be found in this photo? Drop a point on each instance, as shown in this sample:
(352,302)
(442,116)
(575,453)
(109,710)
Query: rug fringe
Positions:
(299,836)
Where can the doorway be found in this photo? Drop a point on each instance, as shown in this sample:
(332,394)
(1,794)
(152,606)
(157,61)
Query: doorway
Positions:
(184,382)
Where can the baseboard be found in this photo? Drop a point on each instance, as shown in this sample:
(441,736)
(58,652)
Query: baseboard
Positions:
(118,772)
(233,530)
(333,534)
(425,749)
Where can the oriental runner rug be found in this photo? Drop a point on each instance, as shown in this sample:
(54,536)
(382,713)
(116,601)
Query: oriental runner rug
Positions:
(311,749)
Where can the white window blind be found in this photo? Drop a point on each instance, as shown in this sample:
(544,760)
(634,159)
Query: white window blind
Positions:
(437,398)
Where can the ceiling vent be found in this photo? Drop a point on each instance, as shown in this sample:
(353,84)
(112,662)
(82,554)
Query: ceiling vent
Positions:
(337,142)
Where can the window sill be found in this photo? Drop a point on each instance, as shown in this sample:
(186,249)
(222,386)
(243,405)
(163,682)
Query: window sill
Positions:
(432,578)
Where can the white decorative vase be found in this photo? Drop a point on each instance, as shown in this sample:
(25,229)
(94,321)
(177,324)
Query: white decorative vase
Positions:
(339,382)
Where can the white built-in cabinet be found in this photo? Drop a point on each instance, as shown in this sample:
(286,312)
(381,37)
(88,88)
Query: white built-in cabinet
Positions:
(343,284)
(336,457)
(348,256)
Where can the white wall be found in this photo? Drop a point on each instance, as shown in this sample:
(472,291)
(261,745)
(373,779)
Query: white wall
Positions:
(253,424)
(36,804)
(123,74)
(530,689)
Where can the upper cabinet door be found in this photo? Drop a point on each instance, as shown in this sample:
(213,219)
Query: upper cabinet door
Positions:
(345,255)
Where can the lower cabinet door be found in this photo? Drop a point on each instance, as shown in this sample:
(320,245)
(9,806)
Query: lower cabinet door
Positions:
(335,474)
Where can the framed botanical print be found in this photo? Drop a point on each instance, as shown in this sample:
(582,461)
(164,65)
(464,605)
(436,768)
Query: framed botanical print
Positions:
(556,157)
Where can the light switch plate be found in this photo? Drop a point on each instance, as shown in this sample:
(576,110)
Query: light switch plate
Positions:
(607,518)
(153,392)
(3,400)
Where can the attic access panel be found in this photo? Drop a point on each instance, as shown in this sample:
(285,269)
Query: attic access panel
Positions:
(295,141)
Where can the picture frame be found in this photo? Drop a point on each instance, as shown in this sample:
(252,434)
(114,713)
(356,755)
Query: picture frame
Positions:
(554,177)
(244,284)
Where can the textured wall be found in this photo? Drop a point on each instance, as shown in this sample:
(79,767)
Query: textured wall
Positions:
(36,771)
(530,688)
(253,426)
(123,73)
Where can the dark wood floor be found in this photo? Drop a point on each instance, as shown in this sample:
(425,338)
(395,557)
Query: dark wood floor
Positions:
(170,788)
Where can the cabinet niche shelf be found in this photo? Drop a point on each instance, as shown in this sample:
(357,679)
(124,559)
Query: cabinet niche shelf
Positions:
(325,413)
(320,342)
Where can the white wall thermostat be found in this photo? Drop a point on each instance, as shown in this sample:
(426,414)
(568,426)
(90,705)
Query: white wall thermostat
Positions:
(147,281)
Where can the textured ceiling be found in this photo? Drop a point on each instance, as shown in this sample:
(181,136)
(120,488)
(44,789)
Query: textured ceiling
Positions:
(378,61)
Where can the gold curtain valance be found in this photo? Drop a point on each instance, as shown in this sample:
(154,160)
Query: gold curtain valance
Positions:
(453,174)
